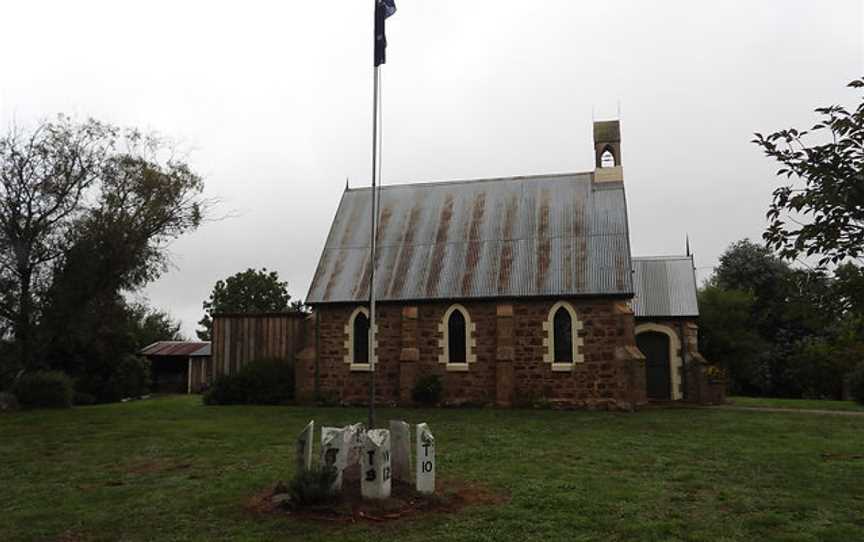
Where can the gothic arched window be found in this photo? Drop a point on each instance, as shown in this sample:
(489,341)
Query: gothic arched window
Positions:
(563,336)
(457,338)
(361,339)
(357,340)
(562,342)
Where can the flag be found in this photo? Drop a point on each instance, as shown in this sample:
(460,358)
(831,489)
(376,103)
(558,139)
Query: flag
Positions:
(383,9)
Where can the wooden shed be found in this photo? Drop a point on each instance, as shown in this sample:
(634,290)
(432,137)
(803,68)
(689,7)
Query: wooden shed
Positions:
(179,366)
(242,338)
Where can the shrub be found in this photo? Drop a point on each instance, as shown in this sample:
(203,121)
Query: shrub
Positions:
(82,399)
(129,378)
(427,390)
(8,402)
(312,487)
(815,369)
(264,382)
(856,383)
(44,389)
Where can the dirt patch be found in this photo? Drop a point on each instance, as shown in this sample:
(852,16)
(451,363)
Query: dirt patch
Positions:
(152,467)
(70,536)
(451,497)
(829,456)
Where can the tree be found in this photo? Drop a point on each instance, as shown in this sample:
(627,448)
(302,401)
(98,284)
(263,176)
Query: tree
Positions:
(780,330)
(820,211)
(44,177)
(849,288)
(728,337)
(748,267)
(250,291)
(86,211)
(151,325)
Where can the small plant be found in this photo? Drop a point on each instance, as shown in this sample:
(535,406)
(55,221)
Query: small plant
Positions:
(265,382)
(856,383)
(427,390)
(313,487)
(715,373)
(52,389)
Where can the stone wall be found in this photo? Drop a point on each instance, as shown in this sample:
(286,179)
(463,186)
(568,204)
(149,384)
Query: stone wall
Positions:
(508,344)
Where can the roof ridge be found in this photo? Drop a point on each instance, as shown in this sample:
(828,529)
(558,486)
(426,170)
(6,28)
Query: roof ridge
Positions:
(666,257)
(424,184)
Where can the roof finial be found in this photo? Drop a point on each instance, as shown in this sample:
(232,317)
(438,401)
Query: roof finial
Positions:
(346,184)
(688,244)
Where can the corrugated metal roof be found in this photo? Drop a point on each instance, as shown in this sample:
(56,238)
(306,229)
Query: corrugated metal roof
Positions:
(665,286)
(177,348)
(518,236)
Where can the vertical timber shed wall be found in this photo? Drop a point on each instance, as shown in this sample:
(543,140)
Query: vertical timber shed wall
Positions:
(242,338)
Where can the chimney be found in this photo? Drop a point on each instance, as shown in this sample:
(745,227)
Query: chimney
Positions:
(607,152)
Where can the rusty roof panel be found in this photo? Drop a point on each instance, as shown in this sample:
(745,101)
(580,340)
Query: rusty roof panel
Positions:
(177,348)
(664,286)
(522,236)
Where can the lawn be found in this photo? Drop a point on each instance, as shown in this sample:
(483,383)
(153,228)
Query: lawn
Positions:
(172,469)
(814,404)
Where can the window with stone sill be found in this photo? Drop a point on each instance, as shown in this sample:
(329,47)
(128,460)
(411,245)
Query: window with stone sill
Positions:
(457,339)
(562,341)
(357,338)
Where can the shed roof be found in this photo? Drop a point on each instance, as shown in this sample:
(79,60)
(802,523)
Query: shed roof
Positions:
(665,286)
(177,348)
(518,236)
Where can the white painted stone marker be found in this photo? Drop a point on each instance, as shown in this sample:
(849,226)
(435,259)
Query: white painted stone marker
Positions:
(334,452)
(353,435)
(425,460)
(304,447)
(400,446)
(375,471)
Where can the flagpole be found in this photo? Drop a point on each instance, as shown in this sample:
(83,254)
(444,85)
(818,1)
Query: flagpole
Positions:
(371,349)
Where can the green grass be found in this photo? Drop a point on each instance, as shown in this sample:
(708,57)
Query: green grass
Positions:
(812,404)
(172,469)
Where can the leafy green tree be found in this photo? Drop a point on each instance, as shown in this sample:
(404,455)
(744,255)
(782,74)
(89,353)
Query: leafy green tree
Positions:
(86,212)
(727,335)
(45,176)
(748,267)
(250,291)
(848,288)
(149,325)
(820,211)
(781,331)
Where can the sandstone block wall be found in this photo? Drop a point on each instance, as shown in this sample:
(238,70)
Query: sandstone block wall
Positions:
(508,342)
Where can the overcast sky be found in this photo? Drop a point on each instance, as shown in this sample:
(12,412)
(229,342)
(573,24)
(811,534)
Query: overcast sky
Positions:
(272,102)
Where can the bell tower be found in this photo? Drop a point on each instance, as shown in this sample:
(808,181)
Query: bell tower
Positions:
(607,151)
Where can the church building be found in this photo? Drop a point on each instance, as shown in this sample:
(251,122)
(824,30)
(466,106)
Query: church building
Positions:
(514,291)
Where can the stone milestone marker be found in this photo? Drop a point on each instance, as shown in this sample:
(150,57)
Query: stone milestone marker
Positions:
(334,453)
(425,460)
(353,435)
(304,447)
(375,465)
(400,446)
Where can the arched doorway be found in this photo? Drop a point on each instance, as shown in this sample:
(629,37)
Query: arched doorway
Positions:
(655,346)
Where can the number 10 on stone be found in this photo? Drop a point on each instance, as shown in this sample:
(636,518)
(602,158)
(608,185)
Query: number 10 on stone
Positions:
(425,460)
